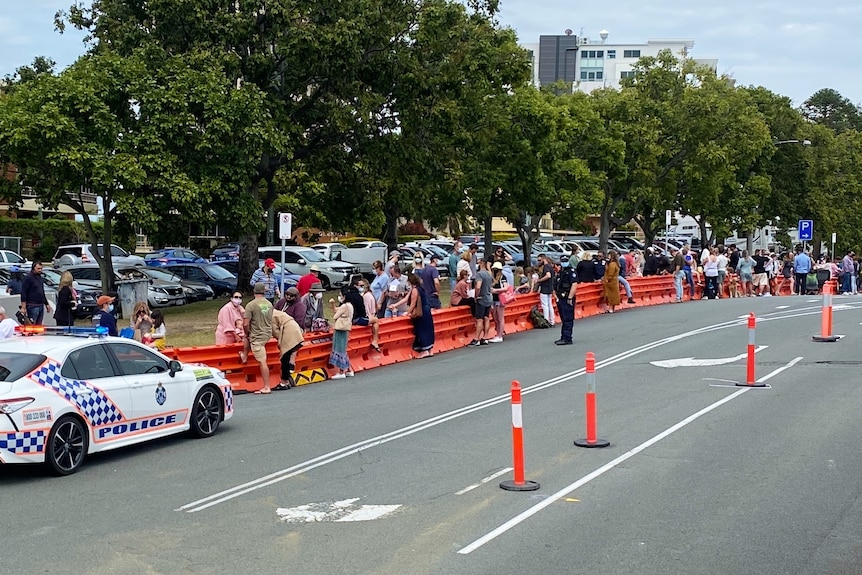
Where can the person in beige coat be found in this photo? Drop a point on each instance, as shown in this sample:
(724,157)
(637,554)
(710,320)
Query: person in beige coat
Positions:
(288,333)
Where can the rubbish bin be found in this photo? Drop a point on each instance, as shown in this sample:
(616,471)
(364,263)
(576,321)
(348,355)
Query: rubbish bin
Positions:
(130,292)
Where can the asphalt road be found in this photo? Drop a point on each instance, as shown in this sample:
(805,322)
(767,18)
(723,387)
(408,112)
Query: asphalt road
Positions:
(396,471)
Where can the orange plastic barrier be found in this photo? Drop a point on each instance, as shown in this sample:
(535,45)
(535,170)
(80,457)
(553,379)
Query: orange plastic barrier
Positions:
(453,329)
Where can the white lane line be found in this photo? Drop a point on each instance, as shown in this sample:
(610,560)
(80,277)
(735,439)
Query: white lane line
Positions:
(607,467)
(782,306)
(319,461)
(484,481)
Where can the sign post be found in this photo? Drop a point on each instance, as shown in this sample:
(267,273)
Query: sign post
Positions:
(806,231)
(285,231)
(832,252)
(667,216)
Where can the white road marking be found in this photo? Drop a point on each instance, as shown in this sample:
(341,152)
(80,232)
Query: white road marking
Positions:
(782,306)
(482,482)
(321,460)
(608,466)
(338,511)
(693,362)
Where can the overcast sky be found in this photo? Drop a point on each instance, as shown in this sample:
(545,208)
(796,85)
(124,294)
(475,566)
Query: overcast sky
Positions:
(792,47)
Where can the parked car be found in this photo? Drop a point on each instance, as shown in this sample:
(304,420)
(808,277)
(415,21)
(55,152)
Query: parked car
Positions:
(232,266)
(8,258)
(195,291)
(300,259)
(75,254)
(229,251)
(167,256)
(159,293)
(627,242)
(221,281)
(329,250)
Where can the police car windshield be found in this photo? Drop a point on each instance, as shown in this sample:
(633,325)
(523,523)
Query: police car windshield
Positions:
(14,366)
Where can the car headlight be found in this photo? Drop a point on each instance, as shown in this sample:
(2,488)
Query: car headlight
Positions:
(8,406)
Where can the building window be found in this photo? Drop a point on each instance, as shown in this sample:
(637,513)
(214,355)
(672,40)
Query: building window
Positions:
(584,54)
(600,75)
(629,74)
(631,53)
(600,54)
(591,76)
(583,75)
(612,54)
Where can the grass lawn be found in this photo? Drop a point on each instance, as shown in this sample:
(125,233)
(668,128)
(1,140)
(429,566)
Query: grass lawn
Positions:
(195,323)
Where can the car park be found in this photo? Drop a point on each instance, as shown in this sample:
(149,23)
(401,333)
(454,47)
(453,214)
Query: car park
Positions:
(228,251)
(329,250)
(68,393)
(159,293)
(75,254)
(8,258)
(167,256)
(300,259)
(216,277)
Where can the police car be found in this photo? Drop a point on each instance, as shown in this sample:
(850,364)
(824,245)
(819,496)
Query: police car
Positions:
(68,392)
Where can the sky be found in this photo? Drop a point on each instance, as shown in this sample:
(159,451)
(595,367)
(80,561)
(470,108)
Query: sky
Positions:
(791,47)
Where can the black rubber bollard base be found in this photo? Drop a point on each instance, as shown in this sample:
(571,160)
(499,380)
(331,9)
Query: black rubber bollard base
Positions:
(596,443)
(525,486)
(827,339)
(757,384)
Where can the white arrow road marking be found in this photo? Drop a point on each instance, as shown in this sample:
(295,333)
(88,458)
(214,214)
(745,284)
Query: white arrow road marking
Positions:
(339,512)
(693,362)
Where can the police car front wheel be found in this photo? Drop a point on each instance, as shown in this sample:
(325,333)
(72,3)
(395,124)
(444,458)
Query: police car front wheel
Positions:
(67,446)
(207,412)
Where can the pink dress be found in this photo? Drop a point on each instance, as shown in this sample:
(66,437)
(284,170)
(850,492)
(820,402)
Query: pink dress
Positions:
(229,323)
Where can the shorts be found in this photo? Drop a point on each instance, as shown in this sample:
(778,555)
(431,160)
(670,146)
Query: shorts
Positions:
(481,311)
(361,321)
(259,352)
(760,280)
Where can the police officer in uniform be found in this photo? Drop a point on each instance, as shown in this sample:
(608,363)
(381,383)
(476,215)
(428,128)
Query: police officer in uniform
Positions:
(565,290)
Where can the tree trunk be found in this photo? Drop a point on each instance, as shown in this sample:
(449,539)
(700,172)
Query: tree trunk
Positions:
(489,238)
(390,232)
(248,262)
(604,230)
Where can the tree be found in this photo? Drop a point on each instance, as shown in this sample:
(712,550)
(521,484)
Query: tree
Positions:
(829,108)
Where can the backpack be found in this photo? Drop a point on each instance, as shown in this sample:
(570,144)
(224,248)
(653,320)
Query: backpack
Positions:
(539,321)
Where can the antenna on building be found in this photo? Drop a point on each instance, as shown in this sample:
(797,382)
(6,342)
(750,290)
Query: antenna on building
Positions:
(568,31)
(604,35)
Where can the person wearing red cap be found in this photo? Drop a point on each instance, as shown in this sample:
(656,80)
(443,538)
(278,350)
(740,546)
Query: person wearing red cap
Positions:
(265,276)
(305,282)
(106,314)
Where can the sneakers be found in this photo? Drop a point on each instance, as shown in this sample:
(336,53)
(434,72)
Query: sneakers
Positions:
(631,300)
(563,342)
(338,376)
(483,342)
(495,340)
(473,343)
(349,373)
(767,294)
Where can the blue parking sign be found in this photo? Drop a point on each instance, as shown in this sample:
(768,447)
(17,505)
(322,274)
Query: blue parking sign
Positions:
(806,230)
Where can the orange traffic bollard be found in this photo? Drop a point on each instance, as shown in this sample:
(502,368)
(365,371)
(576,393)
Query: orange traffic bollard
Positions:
(591,440)
(749,372)
(826,317)
(519,484)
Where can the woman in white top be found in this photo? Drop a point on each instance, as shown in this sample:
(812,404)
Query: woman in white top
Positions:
(710,272)
(721,258)
(464,264)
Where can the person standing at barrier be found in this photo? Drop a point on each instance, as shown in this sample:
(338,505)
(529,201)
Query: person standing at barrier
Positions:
(293,305)
(33,300)
(624,271)
(721,260)
(431,283)
(688,270)
(464,264)
(288,333)
(229,328)
(355,294)
(848,270)
(498,310)
(677,263)
(710,272)
(452,262)
(565,293)
(419,310)
(546,288)
(396,296)
(610,281)
(257,323)
(745,269)
(313,301)
(379,286)
(342,316)
(265,276)
(482,307)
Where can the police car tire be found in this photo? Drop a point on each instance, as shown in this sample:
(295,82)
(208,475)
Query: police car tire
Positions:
(61,457)
(207,412)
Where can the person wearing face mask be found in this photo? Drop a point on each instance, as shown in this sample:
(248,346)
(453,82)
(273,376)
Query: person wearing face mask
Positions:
(313,301)
(364,308)
(106,317)
(342,315)
(292,305)
(564,289)
(229,329)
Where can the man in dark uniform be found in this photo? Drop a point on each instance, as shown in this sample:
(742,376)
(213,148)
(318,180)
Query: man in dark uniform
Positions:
(565,291)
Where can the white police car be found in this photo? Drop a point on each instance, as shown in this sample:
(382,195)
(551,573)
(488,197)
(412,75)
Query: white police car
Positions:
(69,392)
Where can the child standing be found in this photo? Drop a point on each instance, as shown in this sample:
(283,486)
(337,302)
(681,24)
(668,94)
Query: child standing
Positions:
(342,315)
(156,337)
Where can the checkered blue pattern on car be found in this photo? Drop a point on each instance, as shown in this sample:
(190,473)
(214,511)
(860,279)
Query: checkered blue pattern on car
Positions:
(228,398)
(91,400)
(23,442)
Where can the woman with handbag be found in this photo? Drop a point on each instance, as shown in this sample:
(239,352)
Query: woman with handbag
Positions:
(499,289)
(342,316)
(419,311)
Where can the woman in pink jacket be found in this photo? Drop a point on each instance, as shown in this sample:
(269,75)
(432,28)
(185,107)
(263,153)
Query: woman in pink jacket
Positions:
(229,328)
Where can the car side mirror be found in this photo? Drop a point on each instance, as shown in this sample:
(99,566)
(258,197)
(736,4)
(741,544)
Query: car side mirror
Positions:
(174,366)
(301,261)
